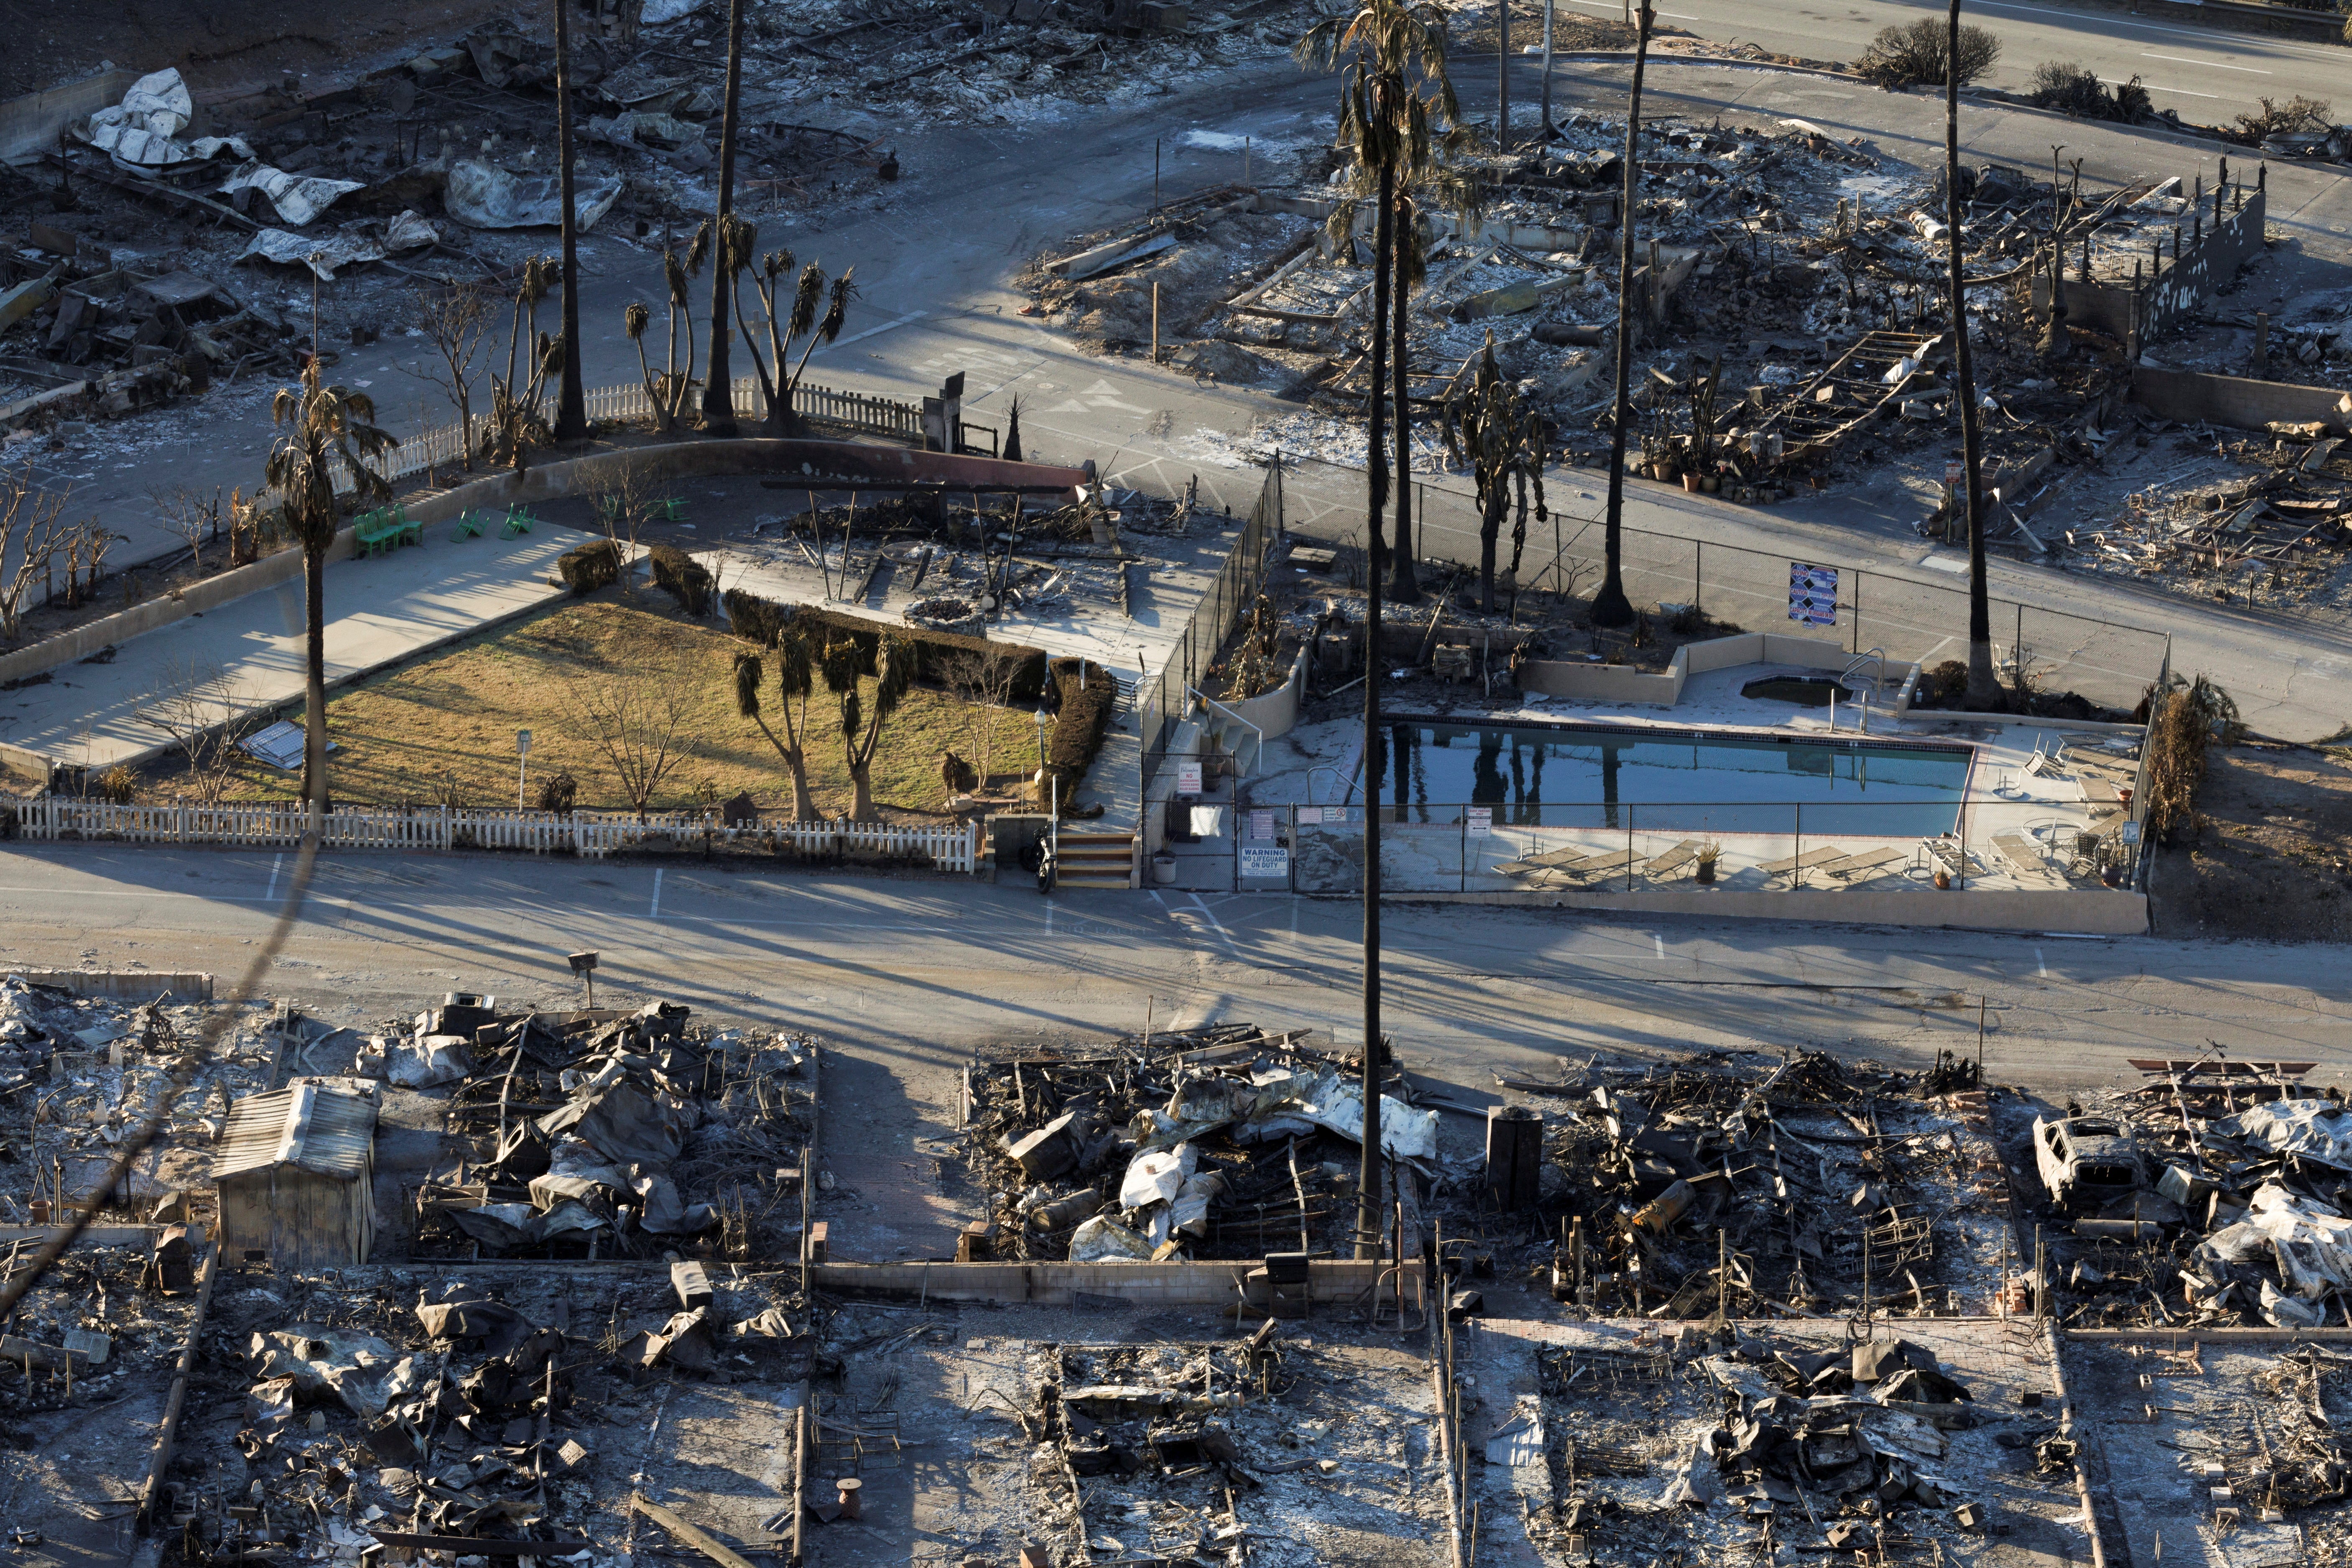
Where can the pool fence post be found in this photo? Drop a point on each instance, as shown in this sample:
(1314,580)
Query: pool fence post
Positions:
(1797,831)
(1698,574)
(1856,608)
(2017,649)
(1462,881)
(1629,848)
(1290,861)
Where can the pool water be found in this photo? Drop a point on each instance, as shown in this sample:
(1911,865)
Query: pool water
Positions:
(1690,780)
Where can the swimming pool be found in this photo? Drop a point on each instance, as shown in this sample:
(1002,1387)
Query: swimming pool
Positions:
(1580,776)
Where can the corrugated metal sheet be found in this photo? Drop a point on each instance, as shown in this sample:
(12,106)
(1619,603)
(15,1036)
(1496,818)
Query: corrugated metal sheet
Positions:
(322,1130)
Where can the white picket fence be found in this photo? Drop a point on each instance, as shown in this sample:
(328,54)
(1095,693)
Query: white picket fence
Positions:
(50,818)
(857,410)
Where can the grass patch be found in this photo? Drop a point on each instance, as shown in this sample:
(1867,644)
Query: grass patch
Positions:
(445,727)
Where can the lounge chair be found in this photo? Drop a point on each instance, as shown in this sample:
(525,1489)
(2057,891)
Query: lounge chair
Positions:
(1674,861)
(2026,862)
(1608,864)
(1803,863)
(1944,853)
(2098,791)
(1854,869)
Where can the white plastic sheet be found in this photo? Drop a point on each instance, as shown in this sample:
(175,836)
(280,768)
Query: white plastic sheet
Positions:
(2311,1243)
(410,231)
(296,199)
(2316,1130)
(323,253)
(425,1063)
(1103,1240)
(480,195)
(1156,1176)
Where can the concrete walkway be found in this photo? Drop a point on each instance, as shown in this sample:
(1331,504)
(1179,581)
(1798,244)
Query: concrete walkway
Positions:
(246,657)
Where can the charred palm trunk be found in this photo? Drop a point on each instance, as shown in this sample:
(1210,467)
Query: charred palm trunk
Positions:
(1369,1205)
(718,390)
(1405,586)
(1609,605)
(572,401)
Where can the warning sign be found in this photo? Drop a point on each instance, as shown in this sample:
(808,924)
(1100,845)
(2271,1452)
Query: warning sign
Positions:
(1812,593)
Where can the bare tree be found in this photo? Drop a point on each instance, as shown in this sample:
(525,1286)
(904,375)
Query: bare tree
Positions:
(984,685)
(194,517)
(192,707)
(668,390)
(86,543)
(31,531)
(634,721)
(454,321)
(623,505)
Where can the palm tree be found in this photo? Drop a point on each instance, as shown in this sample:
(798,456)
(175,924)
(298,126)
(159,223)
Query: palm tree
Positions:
(718,392)
(325,425)
(1983,689)
(1609,605)
(1393,80)
(668,390)
(795,671)
(861,727)
(571,402)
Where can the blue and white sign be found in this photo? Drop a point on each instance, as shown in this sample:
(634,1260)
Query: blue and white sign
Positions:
(1812,593)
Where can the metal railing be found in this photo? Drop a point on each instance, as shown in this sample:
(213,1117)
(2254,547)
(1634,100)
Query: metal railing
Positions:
(1163,697)
(1914,622)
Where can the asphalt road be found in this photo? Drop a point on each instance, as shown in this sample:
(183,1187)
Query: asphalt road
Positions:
(912,974)
(2209,74)
(938,250)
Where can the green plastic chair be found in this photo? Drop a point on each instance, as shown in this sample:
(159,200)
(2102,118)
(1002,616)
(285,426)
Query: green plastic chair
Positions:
(519,522)
(469,526)
(372,532)
(669,509)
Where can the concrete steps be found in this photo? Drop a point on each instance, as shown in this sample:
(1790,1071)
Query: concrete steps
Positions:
(1097,860)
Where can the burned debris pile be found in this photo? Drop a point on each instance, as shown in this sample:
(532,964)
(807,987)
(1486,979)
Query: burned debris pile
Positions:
(369,1408)
(1801,1188)
(79,1075)
(1220,1143)
(1775,1440)
(1279,1446)
(602,1134)
(2216,1194)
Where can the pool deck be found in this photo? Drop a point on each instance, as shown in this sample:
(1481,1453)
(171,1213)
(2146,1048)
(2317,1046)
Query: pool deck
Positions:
(2022,828)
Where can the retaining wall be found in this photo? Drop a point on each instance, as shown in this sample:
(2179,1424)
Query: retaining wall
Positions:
(2189,396)
(829,460)
(29,124)
(1581,682)
(2090,913)
(122,984)
(1208,1284)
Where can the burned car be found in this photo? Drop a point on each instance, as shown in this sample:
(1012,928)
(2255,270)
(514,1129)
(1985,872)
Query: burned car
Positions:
(2087,1163)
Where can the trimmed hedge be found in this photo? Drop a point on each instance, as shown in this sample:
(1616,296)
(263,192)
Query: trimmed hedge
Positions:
(590,568)
(755,620)
(1089,696)
(687,579)
(763,621)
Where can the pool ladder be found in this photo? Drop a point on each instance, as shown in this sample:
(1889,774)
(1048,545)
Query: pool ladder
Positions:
(1874,661)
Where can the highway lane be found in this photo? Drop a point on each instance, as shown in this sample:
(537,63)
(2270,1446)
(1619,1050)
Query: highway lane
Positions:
(914,974)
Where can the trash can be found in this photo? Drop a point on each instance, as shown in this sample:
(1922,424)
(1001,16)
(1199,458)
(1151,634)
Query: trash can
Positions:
(1163,870)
